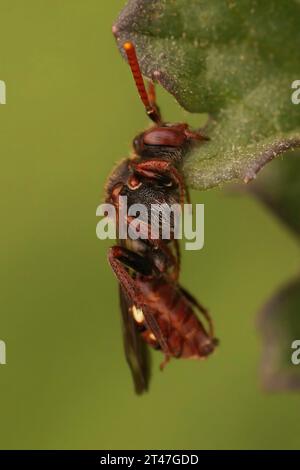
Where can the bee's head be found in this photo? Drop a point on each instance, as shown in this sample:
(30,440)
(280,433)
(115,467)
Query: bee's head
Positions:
(167,140)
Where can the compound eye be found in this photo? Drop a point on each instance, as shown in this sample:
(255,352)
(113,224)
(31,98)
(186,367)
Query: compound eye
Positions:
(138,143)
(165,136)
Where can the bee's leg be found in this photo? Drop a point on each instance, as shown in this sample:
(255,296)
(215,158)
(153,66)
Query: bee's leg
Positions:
(120,259)
(156,169)
(152,93)
(124,257)
(165,362)
(171,260)
(152,99)
(200,307)
(196,135)
(174,261)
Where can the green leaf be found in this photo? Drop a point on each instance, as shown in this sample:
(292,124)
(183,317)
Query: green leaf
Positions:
(279,323)
(279,189)
(235,60)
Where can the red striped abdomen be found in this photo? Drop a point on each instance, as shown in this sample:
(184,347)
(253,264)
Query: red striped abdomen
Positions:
(183,332)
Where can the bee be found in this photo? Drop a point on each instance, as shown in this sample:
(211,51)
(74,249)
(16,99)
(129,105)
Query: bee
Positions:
(157,311)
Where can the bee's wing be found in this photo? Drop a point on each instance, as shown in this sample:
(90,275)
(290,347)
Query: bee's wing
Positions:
(136,350)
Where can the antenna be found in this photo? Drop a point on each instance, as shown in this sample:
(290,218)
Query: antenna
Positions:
(150,106)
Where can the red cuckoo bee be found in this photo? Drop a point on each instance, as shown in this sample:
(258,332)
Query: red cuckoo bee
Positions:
(156,310)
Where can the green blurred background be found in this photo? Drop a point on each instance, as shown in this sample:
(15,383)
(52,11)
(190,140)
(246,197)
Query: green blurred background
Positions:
(71,113)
